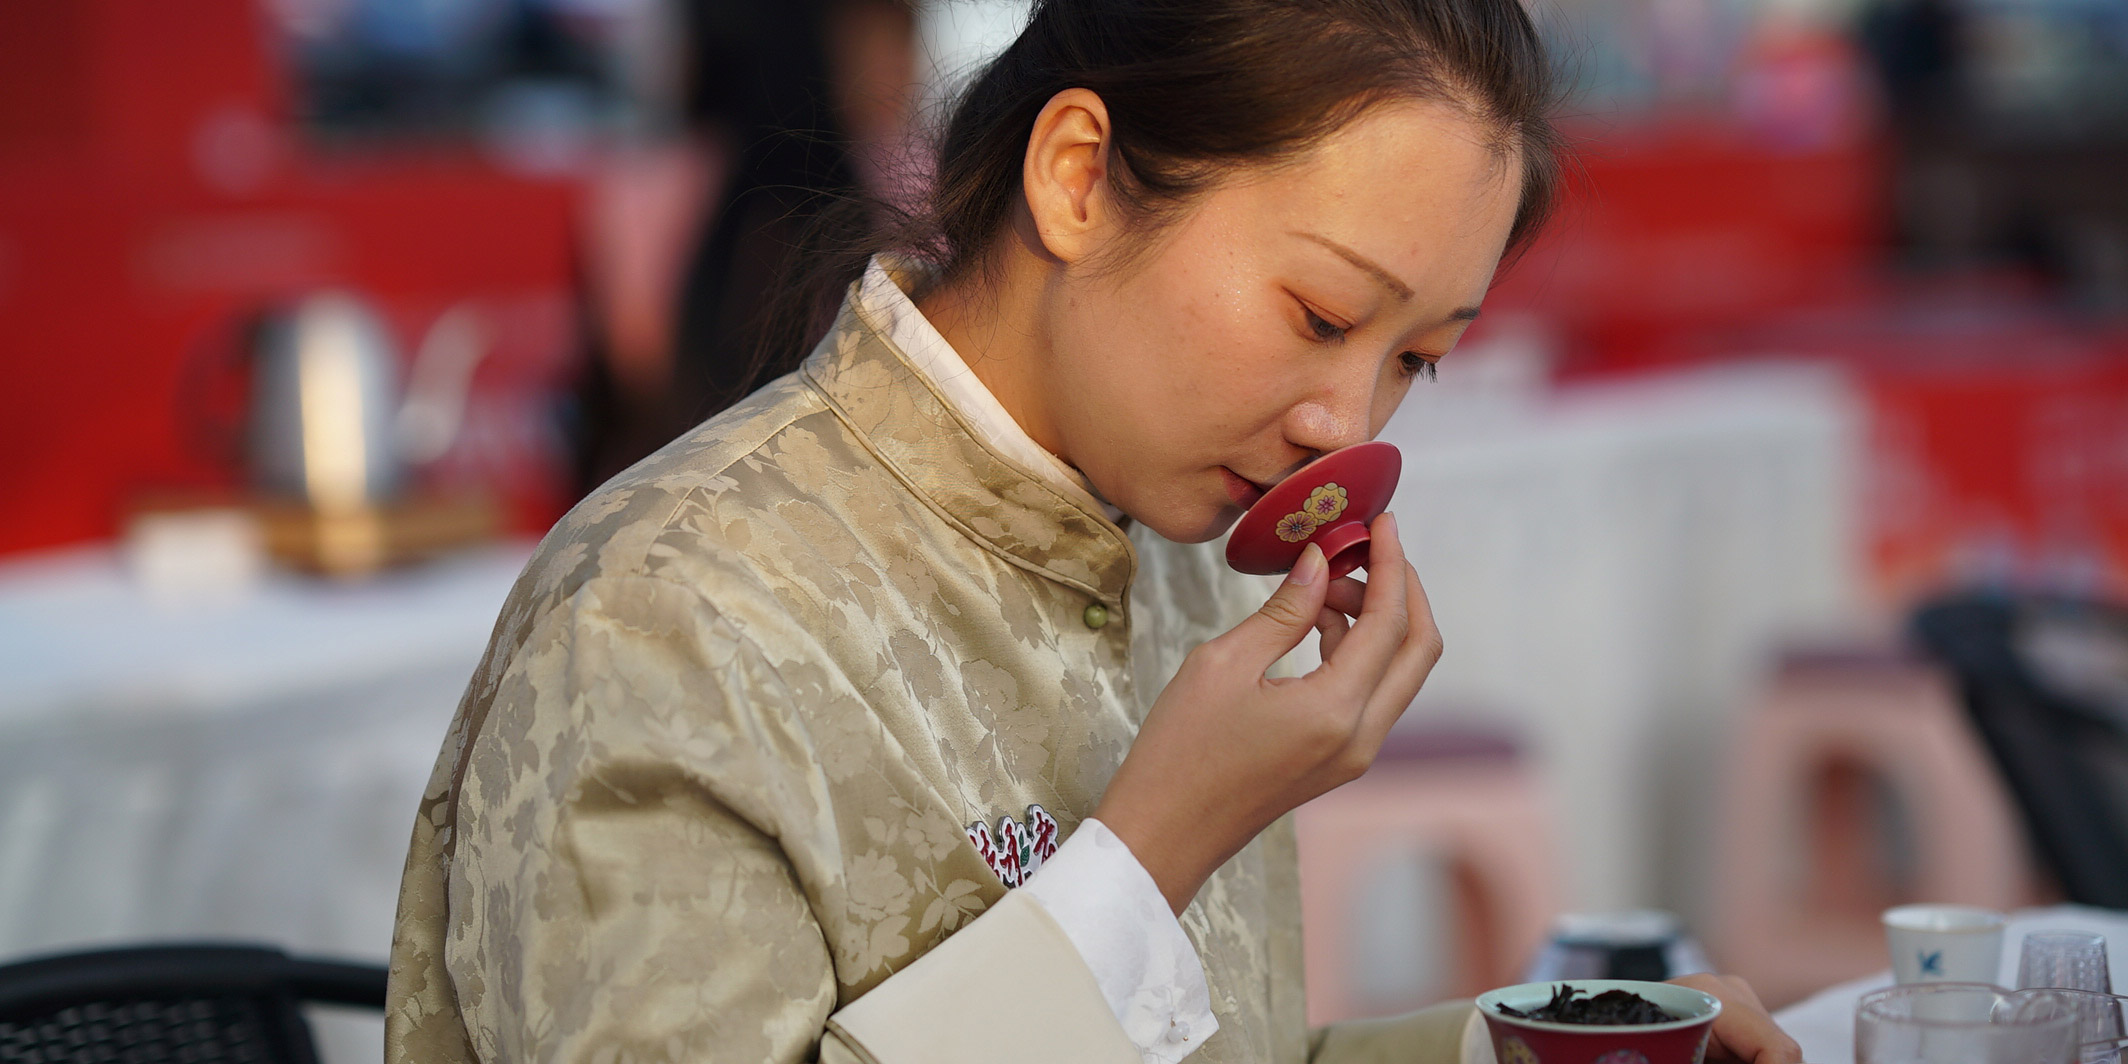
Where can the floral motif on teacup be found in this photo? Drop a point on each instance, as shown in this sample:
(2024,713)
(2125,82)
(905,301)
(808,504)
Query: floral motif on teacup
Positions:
(1295,527)
(1326,502)
(1623,1056)
(1515,1051)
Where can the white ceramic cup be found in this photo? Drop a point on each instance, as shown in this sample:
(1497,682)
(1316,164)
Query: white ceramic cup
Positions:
(1944,943)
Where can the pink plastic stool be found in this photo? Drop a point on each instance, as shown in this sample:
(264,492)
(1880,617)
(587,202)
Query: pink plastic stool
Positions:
(1467,799)
(1800,876)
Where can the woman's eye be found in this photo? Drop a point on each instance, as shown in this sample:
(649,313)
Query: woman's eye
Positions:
(1322,328)
(1415,366)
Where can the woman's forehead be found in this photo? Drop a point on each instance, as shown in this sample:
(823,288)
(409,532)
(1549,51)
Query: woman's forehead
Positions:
(1418,190)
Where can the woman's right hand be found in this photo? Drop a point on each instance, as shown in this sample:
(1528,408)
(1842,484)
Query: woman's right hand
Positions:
(1225,750)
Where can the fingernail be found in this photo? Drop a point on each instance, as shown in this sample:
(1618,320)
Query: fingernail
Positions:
(1310,567)
(1392,522)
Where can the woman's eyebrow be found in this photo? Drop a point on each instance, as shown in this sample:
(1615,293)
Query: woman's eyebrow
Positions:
(1389,281)
(1374,270)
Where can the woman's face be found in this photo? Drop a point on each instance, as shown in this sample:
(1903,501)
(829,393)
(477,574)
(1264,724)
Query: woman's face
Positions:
(1284,315)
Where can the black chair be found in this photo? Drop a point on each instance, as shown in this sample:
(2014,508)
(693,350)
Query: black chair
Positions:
(2045,681)
(196,1004)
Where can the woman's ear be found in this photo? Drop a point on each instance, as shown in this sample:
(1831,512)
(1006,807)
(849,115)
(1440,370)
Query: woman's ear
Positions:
(1065,176)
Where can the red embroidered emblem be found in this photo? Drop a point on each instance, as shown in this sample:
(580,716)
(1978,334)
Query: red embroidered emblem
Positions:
(1017,850)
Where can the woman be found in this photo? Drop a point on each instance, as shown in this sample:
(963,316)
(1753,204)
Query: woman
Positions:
(776,720)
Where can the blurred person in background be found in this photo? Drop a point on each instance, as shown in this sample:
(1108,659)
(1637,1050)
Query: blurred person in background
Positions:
(1917,48)
(804,104)
(775,722)
(2009,125)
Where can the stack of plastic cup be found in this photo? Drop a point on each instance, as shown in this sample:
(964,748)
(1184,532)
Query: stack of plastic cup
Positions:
(2065,960)
(2076,961)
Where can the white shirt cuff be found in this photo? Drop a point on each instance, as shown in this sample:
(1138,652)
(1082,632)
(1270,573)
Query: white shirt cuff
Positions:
(1115,915)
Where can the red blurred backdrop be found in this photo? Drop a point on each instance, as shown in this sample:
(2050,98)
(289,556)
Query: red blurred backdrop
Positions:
(153,192)
(1998,424)
(155,189)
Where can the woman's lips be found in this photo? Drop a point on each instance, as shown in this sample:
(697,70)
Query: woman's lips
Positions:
(1243,491)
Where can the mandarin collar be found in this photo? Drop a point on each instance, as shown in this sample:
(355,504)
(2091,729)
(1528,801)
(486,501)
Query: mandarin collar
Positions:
(902,419)
(883,295)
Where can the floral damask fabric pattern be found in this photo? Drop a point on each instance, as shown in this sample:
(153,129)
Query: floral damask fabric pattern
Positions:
(712,780)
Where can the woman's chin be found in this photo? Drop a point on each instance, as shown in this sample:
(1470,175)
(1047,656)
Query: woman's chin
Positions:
(1191,524)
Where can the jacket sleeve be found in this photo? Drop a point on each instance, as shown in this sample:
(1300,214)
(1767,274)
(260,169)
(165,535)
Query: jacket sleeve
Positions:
(969,999)
(1448,1033)
(622,890)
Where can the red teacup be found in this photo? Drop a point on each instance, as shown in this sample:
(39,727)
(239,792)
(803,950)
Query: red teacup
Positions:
(1327,503)
(1520,1041)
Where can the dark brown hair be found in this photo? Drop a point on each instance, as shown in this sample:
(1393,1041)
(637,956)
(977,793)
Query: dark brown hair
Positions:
(1194,88)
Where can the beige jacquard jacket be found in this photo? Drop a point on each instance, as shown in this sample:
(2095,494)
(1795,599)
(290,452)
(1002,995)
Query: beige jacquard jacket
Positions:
(706,798)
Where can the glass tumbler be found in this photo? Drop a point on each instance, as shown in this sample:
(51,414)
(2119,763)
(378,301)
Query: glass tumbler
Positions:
(1964,1023)
(2100,1032)
(2065,960)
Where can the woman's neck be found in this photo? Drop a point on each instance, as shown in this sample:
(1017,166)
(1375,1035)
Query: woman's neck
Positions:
(993,318)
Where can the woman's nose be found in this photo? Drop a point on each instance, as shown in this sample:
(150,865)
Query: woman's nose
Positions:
(1338,418)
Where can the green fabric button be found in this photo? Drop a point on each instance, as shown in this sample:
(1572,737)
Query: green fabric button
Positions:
(1096,616)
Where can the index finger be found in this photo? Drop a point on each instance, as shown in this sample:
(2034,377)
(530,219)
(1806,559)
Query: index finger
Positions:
(1385,612)
(1754,1038)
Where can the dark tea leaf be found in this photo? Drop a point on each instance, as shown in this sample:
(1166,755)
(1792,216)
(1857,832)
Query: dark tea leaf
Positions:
(1610,1008)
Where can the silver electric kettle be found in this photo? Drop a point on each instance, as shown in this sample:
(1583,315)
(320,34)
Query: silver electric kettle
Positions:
(327,424)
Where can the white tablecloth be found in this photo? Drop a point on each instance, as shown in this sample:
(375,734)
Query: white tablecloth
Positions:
(246,769)
(1613,568)
(1825,1022)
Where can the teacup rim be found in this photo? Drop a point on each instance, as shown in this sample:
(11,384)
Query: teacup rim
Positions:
(1990,920)
(1488,1004)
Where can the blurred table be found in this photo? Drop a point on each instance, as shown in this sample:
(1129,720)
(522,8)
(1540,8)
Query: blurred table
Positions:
(1825,1023)
(238,768)
(1613,568)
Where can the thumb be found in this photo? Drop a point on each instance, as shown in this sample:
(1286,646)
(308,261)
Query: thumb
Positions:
(1289,615)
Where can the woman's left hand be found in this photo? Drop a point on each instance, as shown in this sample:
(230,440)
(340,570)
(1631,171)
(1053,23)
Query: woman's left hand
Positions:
(1744,1031)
